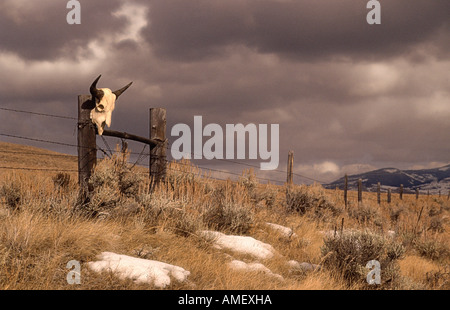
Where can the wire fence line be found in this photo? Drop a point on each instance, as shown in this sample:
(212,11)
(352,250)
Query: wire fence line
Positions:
(40,114)
(141,155)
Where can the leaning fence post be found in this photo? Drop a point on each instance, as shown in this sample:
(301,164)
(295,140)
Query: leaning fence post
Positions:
(345,190)
(290,167)
(87,146)
(359,190)
(378,193)
(158,160)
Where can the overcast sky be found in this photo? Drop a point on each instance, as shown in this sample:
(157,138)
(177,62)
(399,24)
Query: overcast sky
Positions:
(349,97)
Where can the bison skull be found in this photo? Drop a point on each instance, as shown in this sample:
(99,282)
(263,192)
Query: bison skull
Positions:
(104,100)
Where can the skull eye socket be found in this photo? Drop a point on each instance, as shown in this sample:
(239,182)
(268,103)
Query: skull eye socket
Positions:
(100,106)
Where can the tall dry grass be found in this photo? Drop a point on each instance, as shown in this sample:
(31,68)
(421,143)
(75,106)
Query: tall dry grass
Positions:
(43,227)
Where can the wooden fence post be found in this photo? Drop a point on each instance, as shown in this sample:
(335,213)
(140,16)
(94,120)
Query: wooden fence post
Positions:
(417,193)
(345,190)
(87,146)
(290,167)
(379,193)
(158,160)
(389,196)
(359,190)
(401,191)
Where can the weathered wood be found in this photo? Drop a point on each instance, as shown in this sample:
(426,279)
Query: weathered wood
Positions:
(123,135)
(389,196)
(359,190)
(87,146)
(378,193)
(158,160)
(345,190)
(401,191)
(417,193)
(290,167)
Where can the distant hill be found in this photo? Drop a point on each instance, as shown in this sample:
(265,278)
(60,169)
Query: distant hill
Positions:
(433,180)
(24,156)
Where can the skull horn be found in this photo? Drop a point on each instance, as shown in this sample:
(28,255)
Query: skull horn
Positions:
(94,91)
(120,91)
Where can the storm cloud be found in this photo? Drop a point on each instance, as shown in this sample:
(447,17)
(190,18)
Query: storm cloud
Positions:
(349,97)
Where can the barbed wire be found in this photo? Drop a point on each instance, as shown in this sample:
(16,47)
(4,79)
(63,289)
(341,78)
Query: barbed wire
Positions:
(140,154)
(250,165)
(147,154)
(39,169)
(40,114)
(36,154)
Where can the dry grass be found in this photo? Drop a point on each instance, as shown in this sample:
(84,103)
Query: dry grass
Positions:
(42,229)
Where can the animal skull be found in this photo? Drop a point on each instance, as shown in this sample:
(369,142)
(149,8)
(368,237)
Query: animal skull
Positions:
(104,100)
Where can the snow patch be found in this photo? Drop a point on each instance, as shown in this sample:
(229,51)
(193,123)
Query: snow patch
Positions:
(303,266)
(138,269)
(241,244)
(240,265)
(391,170)
(285,231)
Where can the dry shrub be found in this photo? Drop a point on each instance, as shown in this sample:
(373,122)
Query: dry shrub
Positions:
(62,181)
(12,193)
(114,182)
(269,195)
(439,279)
(182,172)
(395,212)
(431,248)
(163,213)
(226,211)
(311,200)
(437,224)
(229,216)
(250,183)
(349,253)
(366,214)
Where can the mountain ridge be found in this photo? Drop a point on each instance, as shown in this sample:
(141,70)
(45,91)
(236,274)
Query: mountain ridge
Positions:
(430,179)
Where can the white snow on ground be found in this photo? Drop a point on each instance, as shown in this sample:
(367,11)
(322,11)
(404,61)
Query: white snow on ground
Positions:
(393,170)
(241,244)
(138,269)
(285,231)
(303,266)
(240,265)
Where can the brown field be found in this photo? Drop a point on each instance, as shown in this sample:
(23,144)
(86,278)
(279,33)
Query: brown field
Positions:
(43,227)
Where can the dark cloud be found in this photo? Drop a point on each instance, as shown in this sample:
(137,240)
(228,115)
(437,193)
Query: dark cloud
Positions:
(346,95)
(194,30)
(38,30)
